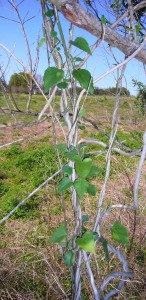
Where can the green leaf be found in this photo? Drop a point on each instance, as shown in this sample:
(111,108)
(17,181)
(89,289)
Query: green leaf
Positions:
(103,20)
(85,79)
(41,42)
(62,148)
(119,233)
(93,172)
(72,154)
(50,13)
(81,186)
(59,235)
(91,189)
(53,33)
(67,170)
(64,184)
(96,236)
(138,27)
(82,112)
(82,44)
(69,258)
(87,242)
(62,85)
(52,76)
(85,218)
(83,167)
(79,59)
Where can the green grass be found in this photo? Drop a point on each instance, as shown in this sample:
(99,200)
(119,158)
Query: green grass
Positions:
(21,171)
(36,105)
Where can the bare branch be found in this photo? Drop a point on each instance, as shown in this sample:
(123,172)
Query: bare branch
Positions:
(114,149)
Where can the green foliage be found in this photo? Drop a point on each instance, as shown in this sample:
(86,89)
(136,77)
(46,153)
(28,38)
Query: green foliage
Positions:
(83,168)
(138,27)
(64,184)
(21,79)
(41,42)
(85,79)
(81,186)
(94,170)
(3,188)
(59,235)
(82,44)
(119,233)
(132,139)
(52,76)
(85,218)
(67,170)
(50,13)
(82,112)
(91,189)
(62,85)
(103,20)
(69,258)
(111,91)
(87,242)
(13,151)
(141,97)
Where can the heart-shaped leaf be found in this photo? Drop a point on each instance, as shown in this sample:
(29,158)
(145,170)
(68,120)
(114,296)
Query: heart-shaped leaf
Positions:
(87,242)
(69,258)
(119,233)
(81,186)
(52,76)
(93,172)
(64,184)
(67,170)
(85,79)
(91,189)
(83,167)
(72,154)
(41,42)
(82,44)
(59,235)
(50,13)
(62,85)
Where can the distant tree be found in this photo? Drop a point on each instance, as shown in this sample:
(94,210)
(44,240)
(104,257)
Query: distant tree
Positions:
(111,91)
(141,96)
(20,82)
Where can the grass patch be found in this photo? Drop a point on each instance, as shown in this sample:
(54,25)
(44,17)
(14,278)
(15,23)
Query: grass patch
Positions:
(21,171)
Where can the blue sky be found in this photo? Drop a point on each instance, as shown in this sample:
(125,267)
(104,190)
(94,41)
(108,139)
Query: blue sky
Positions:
(11,37)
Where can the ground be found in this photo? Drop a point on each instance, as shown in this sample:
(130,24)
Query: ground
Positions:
(30,266)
